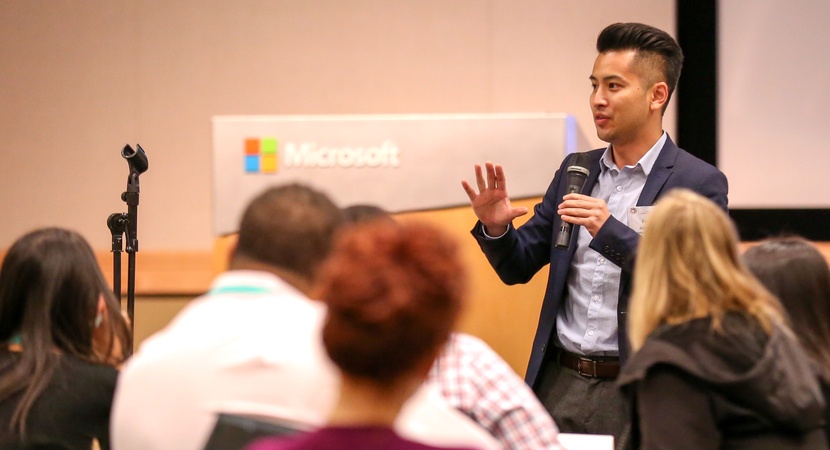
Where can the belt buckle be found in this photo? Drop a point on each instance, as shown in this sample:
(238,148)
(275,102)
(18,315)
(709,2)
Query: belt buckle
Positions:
(592,364)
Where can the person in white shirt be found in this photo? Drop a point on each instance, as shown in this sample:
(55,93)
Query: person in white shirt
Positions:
(252,344)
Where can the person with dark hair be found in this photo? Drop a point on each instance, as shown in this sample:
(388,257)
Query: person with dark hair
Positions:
(246,345)
(251,345)
(63,333)
(793,270)
(393,294)
(580,338)
(715,363)
(361,213)
(475,380)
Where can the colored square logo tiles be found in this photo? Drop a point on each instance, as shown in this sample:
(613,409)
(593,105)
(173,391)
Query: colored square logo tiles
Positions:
(261,155)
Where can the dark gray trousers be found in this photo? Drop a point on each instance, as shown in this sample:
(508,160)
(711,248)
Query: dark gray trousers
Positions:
(580,404)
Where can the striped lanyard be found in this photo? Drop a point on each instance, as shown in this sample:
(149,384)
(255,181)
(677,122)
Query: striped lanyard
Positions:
(239,289)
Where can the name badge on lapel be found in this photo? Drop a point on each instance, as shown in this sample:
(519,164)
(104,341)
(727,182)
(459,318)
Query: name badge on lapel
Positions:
(637,218)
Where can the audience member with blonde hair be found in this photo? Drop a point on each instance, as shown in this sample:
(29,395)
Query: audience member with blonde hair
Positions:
(393,294)
(797,273)
(62,332)
(715,364)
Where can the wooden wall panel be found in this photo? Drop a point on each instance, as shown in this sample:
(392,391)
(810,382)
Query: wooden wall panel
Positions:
(164,272)
(504,316)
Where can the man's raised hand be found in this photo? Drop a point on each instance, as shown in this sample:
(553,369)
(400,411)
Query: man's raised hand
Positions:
(490,203)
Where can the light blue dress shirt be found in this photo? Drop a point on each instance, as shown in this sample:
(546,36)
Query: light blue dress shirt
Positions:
(587,320)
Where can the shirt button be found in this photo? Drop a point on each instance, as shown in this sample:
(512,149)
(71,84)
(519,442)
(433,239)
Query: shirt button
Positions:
(590,332)
(619,188)
(601,260)
(595,298)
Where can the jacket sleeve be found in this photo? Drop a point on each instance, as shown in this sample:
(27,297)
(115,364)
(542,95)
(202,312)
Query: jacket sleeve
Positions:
(714,187)
(617,242)
(674,412)
(520,253)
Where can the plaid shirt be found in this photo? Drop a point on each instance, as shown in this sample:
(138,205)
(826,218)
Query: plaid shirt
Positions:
(477,381)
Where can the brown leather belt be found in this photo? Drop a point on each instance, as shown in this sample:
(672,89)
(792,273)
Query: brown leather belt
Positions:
(601,367)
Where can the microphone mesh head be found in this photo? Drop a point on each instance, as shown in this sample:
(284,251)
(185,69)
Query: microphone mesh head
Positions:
(578,171)
(581,160)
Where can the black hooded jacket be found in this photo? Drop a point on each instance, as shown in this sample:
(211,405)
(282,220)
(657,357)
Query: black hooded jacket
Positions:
(696,388)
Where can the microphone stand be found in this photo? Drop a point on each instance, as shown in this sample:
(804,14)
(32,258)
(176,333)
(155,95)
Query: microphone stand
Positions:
(117,224)
(127,224)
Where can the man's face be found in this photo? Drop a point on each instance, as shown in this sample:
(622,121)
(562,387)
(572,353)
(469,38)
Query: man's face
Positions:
(620,98)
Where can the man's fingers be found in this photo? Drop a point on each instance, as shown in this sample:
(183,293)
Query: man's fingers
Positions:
(469,190)
(501,181)
(571,219)
(569,205)
(491,174)
(518,212)
(492,177)
(578,197)
(480,178)
(582,203)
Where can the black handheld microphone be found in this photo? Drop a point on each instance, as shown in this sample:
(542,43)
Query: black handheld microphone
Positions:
(577,174)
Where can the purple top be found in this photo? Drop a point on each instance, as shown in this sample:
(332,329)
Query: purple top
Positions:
(359,437)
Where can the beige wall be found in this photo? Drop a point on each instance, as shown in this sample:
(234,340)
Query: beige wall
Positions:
(80,79)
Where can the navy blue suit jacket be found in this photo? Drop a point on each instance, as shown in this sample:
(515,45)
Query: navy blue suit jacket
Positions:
(519,254)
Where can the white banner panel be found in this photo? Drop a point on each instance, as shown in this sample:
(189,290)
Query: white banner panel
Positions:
(397,162)
(772,102)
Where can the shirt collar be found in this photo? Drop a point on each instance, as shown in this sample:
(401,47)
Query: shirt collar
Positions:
(252,282)
(646,162)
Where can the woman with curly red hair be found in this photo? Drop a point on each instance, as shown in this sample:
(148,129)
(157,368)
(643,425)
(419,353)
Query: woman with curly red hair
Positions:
(393,293)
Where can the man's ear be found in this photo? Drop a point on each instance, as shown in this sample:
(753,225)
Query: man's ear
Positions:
(659,96)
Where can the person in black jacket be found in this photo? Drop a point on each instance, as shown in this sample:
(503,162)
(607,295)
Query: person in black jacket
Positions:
(797,273)
(715,364)
(61,338)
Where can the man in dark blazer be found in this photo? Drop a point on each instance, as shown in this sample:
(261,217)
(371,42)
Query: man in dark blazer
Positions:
(581,336)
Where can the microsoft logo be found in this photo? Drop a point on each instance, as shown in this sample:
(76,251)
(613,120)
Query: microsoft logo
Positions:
(261,155)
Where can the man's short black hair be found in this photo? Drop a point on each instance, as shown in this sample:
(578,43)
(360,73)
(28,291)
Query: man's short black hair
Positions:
(291,227)
(653,46)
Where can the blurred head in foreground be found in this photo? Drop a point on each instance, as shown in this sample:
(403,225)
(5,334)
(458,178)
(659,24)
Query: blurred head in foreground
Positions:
(797,273)
(361,213)
(688,267)
(288,229)
(394,292)
(54,301)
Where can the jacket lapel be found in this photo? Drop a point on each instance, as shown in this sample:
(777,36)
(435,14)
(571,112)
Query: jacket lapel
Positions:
(660,172)
(593,176)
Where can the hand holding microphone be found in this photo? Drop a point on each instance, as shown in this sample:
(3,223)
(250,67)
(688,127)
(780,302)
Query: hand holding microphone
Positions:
(577,172)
